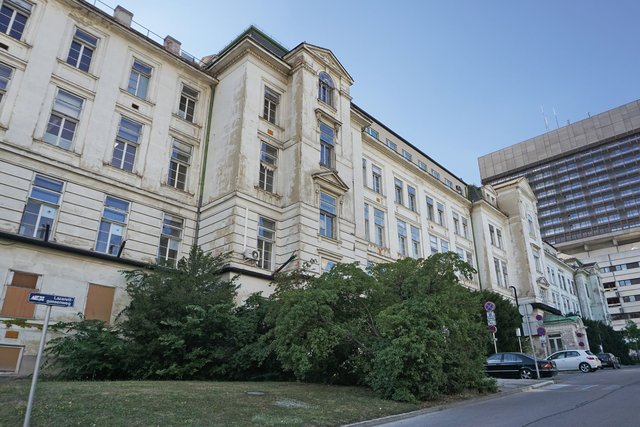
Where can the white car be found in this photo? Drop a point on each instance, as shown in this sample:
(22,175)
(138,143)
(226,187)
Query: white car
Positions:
(570,360)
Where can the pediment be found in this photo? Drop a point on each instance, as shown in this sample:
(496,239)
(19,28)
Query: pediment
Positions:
(542,281)
(324,56)
(331,180)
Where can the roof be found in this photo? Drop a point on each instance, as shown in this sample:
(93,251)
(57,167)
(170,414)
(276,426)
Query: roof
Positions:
(259,37)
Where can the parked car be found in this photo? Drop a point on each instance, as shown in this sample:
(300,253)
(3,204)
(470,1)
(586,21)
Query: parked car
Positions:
(571,360)
(518,365)
(609,360)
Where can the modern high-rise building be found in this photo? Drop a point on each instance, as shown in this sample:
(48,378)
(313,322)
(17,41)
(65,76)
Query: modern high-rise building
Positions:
(586,177)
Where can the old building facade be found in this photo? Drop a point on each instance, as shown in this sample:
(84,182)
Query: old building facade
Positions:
(135,152)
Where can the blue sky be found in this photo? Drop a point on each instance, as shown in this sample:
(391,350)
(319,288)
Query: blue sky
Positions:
(458,79)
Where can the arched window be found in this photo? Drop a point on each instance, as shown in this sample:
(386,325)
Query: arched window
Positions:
(325,88)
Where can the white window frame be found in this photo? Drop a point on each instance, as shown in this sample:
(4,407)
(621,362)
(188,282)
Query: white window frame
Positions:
(402,238)
(46,197)
(268,167)
(328,215)
(179,165)
(17,8)
(188,103)
(170,239)
(85,44)
(379,224)
(140,72)
(265,242)
(67,113)
(115,220)
(127,140)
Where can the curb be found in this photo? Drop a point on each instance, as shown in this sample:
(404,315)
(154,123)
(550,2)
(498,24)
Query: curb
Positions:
(437,408)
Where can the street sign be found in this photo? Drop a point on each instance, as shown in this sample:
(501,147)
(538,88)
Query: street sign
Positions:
(492,328)
(489,306)
(541,331)
(491,318)
(49,299)
(525,309)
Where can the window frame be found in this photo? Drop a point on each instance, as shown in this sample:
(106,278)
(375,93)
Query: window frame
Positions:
(403,249)
(168,238)
(84,45)
(5,81)
(188,100)
(265,242)
(270,105)
(39,228)
(111,220)
(61,109)
(122,138)
(140,74)
(326,88)
(376,178)
(379,225)
(18,8)
(328,226)
(268,167)
(178,166)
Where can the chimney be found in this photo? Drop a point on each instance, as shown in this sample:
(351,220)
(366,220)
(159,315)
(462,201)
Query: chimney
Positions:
(123,16)
(172,45)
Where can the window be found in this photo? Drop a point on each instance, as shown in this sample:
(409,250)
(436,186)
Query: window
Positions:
(366,222)
(268,164)
(378,221)
(127,141)
(532,231)
(99,303)
(392,145)
(372,132)
(422,165)
(112,225)
(6,73)
(17,295)
(433,243)
(492,235)
(430,212)
(326,144)
(441,219)
(376,182)
(170,237)
(63,120)
(448,183)
(42,207)
(402,238)
(499,236)
(328,212)
(456,223)
(536,260)
(505,275)
(416,251)
(496,265)
(13,17)
(444,246)
(465,228)
(266,240)
(188,101)
(271,101)
(179,165)
(411,193)
(435,174)
(327,265)
(469,258)
(81,50)
(325,88)
(398,190)
(139,79)
(406,155)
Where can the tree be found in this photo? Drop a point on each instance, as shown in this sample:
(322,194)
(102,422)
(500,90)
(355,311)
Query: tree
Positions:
(508,319)
(632,334)
(601,334)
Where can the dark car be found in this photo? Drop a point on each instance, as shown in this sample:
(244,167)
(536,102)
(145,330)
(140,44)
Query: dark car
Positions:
(518,365)
(609,360)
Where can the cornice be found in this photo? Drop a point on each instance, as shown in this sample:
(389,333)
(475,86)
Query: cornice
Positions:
(244,48)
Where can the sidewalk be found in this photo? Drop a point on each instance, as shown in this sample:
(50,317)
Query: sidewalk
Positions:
(505,387)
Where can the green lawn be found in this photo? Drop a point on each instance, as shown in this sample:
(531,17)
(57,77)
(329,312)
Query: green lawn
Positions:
(173,403)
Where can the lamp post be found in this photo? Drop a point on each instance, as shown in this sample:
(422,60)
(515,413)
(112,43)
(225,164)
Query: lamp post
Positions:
(515,293)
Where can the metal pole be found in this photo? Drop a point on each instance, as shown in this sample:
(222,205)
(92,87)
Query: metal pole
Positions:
(495,342)
(34,380)
(520,344)
(535,360)
(515,293)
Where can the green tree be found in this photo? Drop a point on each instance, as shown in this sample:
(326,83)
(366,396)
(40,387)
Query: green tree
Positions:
(601,334)
(180,321)
(632,334)
(508,319)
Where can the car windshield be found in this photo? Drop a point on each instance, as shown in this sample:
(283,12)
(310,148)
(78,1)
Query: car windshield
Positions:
(589,353)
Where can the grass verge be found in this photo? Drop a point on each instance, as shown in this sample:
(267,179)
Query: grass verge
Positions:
(189,403)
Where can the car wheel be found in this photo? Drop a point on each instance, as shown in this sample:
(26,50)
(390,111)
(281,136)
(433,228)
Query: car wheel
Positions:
(584,367)
(526,374)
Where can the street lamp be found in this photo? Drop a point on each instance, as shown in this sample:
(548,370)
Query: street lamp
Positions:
(515,293)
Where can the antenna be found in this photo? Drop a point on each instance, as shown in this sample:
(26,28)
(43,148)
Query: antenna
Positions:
(556,117)
(546,124)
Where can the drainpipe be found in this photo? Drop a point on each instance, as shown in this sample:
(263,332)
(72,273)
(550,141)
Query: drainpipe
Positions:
(204,163)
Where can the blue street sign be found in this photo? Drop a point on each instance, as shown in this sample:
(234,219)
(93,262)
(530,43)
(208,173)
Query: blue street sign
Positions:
(48,299)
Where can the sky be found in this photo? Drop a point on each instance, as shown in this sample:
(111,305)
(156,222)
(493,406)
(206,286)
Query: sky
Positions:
(456,78)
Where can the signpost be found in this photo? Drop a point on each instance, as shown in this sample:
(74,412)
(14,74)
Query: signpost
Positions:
(527,310)
(50,301)
(489,306)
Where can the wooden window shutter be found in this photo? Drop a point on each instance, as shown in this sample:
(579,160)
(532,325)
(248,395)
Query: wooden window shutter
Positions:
(16,298)
(9,358)
(99,303)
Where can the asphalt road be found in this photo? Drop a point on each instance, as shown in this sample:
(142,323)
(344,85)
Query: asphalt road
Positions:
(609,398)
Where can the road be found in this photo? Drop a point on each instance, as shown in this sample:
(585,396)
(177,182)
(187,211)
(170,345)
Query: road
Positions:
(608,398)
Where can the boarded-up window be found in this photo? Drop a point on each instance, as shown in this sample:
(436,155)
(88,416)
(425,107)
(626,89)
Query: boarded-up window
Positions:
(9,358)
(99,303)
(16,298)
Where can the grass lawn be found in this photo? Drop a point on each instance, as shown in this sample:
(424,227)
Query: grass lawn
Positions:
(190,403)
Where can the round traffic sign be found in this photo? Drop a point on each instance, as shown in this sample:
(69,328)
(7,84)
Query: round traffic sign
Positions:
(538,317)
(492,328)
(541,331)
(489,306)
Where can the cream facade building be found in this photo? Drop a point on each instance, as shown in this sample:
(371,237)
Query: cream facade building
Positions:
(135,152)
